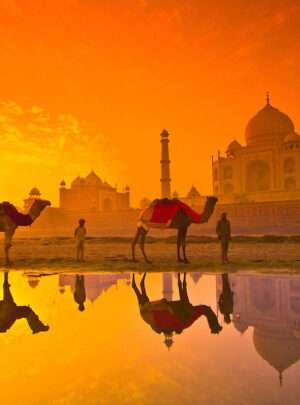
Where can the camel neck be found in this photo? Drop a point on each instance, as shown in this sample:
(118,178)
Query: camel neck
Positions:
(34,211)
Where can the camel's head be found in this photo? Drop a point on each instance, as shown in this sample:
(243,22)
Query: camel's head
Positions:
(42,204)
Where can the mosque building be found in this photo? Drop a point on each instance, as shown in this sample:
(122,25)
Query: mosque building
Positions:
(90,193)
(271,306)
(267,167)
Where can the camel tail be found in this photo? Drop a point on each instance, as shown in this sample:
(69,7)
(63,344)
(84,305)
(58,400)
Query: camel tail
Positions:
(208,209)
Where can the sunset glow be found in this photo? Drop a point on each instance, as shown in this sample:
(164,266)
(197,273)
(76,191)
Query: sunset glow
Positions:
(90,84)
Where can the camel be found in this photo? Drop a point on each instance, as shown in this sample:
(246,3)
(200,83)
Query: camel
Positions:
(10,312)
(10,219)
(168,317)
(170,214)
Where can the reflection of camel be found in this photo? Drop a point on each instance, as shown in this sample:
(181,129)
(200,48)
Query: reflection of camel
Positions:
(10,219)
(170,214)
(226,299)
(10,312)
(168,317)
(79,293)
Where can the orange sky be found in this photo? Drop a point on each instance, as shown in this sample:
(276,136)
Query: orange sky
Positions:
(87,83)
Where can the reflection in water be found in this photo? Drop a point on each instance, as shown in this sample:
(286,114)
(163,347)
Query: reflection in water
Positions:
(79,293)
(226,298)
(264,334)
(10,312)
(89,286)
(271,304)
(167,316)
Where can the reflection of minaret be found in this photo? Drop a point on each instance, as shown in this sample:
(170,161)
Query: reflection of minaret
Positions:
(165,166)
(167,286)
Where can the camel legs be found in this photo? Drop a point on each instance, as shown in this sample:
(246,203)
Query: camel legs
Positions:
(7,244)
(141,237)
(134,242)
(181,242)
(142,244)
(182,288)
(141,295)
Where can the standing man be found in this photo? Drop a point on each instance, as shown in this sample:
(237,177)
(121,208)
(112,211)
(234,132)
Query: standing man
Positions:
(224,234)
(79,235)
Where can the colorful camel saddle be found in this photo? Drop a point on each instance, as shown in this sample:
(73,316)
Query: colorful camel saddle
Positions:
(17,217)
(163,211)
(164,316)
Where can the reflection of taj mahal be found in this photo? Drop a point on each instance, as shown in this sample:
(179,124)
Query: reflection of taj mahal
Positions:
(267,168)
(271,305)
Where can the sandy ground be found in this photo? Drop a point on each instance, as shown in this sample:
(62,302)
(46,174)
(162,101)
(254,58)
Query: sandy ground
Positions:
(58,255)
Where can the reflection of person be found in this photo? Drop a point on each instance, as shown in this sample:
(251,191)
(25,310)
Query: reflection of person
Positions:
(224,234)
(226,299)
(168,317)
(10,312)
(80,234)
(79,293)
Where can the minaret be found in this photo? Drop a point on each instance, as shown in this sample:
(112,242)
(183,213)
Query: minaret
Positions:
(165,166)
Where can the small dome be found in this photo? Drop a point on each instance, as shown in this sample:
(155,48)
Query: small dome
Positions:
(234,146)
(34,191)
(62,183)
(33,282)
(93,180)
(240,325)
(195,276)
(269,125)
(193,193)
(292,137)
(164,134)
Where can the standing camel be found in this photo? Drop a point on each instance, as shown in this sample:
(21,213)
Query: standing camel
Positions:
(170,214)
(10,219)
(168,317)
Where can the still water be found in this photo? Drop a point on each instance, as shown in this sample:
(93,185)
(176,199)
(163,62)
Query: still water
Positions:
(94,339)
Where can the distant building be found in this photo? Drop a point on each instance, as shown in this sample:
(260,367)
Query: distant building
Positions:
(33,195)
(193,198)
(90,193)
(267,168)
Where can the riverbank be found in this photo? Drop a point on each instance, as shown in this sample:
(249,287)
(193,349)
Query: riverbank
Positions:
(114,254)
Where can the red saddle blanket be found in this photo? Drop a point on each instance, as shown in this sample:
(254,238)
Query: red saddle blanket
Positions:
(17,217)
(165,211)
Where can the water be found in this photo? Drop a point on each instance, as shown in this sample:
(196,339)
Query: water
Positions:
(100,350)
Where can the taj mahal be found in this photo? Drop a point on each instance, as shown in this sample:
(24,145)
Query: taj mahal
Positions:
(267,167)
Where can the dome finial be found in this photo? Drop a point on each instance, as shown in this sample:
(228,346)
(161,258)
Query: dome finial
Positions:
(268,98)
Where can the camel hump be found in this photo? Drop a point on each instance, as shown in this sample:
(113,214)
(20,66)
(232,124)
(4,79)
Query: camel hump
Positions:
(164,201)
(17,217)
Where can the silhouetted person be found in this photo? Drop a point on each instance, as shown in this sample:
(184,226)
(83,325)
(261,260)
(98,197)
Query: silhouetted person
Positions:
(10,312)
(79,235)
(226,299)
(168,317)
(79,293)
(224,234)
